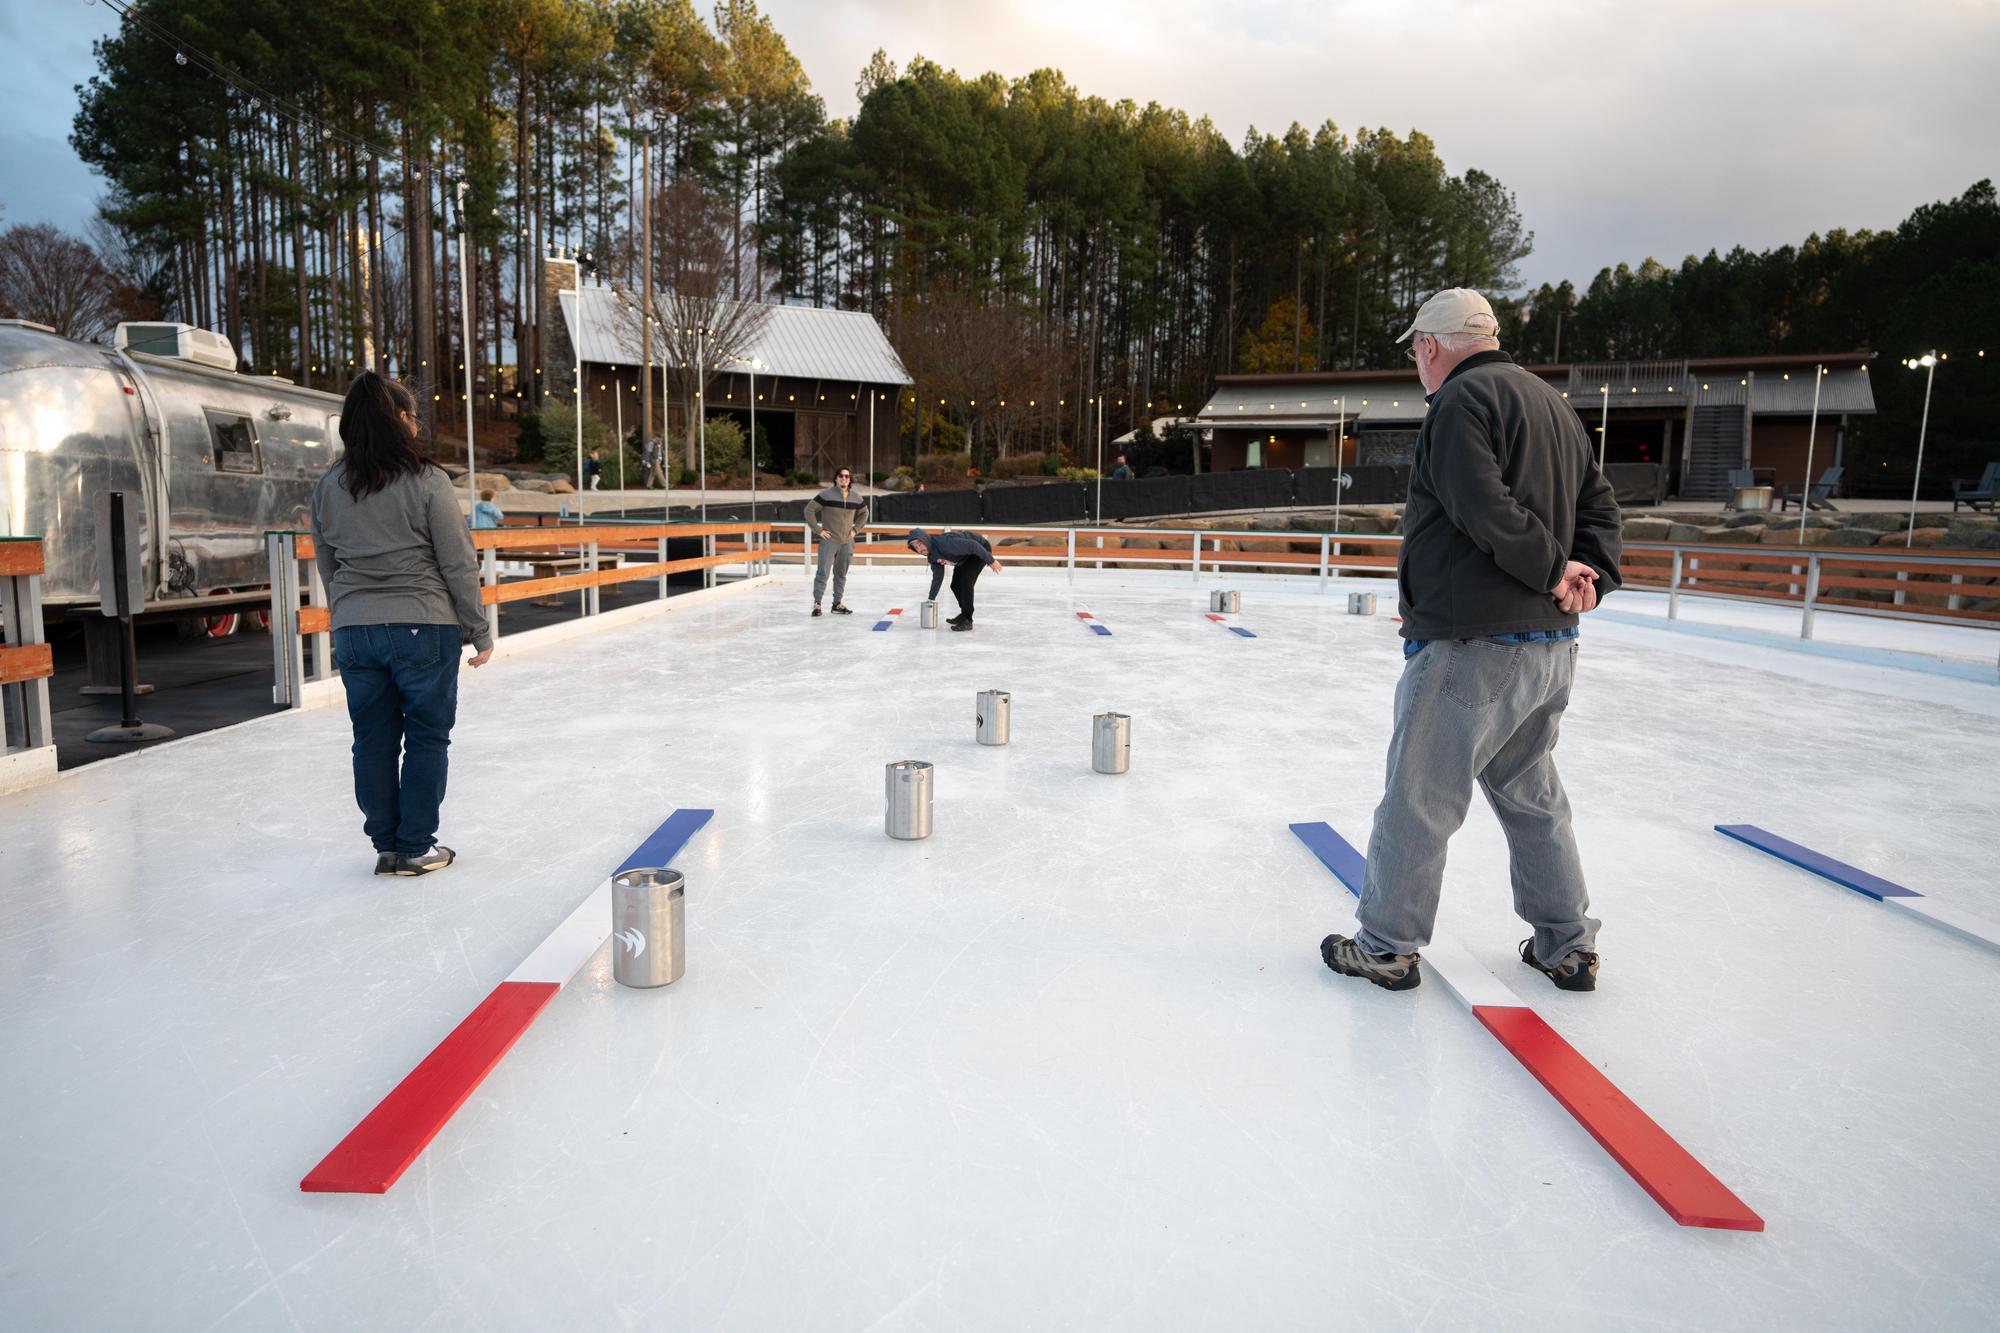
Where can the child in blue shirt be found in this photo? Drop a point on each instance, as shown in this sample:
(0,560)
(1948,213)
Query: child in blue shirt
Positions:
(486,514)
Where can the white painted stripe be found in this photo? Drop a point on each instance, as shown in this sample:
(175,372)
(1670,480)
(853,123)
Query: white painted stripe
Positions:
(570,945)
(1469,979)
(1975,928)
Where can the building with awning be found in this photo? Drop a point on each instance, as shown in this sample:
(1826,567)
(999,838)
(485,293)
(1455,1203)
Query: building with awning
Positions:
(823,374)
(1692,421)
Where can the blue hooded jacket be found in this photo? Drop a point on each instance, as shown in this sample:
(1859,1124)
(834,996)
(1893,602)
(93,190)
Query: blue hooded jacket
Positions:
(948,548)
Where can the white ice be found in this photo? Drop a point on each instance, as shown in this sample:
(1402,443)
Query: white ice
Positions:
(1071,1063)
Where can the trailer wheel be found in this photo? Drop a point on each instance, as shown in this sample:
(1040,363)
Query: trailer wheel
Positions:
(222,626)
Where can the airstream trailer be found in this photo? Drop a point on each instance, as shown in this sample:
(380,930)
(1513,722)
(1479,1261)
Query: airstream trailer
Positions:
(217,457)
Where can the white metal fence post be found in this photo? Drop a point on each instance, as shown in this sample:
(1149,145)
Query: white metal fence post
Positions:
(287,679)
(1674,588)
(1325,556)
(489,577)
(1812,595)
(590,603)
(663,560)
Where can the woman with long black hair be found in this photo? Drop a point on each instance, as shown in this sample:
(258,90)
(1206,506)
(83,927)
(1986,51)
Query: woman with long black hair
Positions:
(403,582)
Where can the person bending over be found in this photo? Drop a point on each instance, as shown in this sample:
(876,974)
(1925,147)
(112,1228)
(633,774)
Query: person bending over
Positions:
(967,553)
(1510,533)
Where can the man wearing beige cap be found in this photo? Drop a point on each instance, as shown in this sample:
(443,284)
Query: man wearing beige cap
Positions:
(1511,532)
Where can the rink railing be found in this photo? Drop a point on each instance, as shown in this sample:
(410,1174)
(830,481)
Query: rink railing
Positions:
(26,660)
(1903,585)
(301,621)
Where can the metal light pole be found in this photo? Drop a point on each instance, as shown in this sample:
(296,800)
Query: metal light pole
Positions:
(1099,514)
(1604,428)
(701,411)
(752,363)
(1812,430)
(465,308)
(1339,462)
(871,437)
(618,404)
(1928,362)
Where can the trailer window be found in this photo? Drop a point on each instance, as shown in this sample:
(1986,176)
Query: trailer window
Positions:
(234,440)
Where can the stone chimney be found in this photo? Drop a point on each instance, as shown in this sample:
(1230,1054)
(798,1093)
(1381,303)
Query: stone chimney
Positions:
(558,351)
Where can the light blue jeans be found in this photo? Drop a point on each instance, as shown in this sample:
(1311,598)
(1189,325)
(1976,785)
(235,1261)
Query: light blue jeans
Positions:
(1472,710)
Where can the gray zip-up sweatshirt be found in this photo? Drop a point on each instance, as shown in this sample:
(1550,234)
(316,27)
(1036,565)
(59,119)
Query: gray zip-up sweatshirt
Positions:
(843,516)
(402,556)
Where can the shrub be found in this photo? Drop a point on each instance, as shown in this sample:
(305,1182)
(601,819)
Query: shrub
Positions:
(1022,465)
(1078,474)
(931,467)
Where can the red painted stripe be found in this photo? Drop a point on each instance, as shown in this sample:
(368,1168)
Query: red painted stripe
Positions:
(379,1149)
(1211,615)
(895,610)
(1083,615)
(1678,1183)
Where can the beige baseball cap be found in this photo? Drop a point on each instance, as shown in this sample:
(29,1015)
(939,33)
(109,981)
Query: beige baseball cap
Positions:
(1454,310)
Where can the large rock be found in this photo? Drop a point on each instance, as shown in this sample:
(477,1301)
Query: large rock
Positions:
(538,485)
(561,486)
(1790,536)
(1680,532)
(1933,520)
(1647,529)
(493,481)
(1743,520)
(1874,522)
(1852,536)
(1984,541)
(1923,536)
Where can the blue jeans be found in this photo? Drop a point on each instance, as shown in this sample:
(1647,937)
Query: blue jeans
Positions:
(402,697)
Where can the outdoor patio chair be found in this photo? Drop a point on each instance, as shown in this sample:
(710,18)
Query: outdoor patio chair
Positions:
(1816,497)
(1740,479)
(1977,495)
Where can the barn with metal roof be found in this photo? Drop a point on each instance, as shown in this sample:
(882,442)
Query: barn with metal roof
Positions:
(821,375)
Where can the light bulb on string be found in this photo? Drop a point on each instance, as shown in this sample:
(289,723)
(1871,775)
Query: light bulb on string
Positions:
(180,58)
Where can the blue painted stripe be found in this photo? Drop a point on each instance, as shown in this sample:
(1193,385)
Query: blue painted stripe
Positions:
(881,625)
(1335,853)
(665,842)
(1805,858)
(1238,629)
(1099,629)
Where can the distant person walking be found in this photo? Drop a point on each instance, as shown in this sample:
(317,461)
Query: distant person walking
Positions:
(593,469)
(1122,472)
(1510,533)
(397,559)
(487,514)
(651,461)
(967,553)
(838,515)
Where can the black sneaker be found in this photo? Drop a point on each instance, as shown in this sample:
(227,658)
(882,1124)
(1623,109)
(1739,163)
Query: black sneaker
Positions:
(816,610)
(959,626)
(1575,970)
(437,858)
(960,619)
(840,610)
(385,863)
(1390,971)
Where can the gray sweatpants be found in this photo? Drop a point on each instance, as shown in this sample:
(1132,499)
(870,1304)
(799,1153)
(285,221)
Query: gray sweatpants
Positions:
(1474,710)
(835,555)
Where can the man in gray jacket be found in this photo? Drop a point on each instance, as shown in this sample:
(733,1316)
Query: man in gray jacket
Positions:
(1510,533)
(838,516)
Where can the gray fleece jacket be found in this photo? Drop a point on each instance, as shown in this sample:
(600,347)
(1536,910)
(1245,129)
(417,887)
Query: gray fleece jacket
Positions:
(843,516)
(402,556)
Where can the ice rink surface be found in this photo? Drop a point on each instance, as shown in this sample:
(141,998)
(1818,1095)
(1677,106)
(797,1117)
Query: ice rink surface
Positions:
(1073,1062)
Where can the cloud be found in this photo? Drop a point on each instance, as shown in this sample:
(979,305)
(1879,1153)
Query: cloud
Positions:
(1625,130)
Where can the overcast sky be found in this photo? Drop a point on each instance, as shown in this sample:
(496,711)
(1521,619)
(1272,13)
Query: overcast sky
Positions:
(1624,129)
